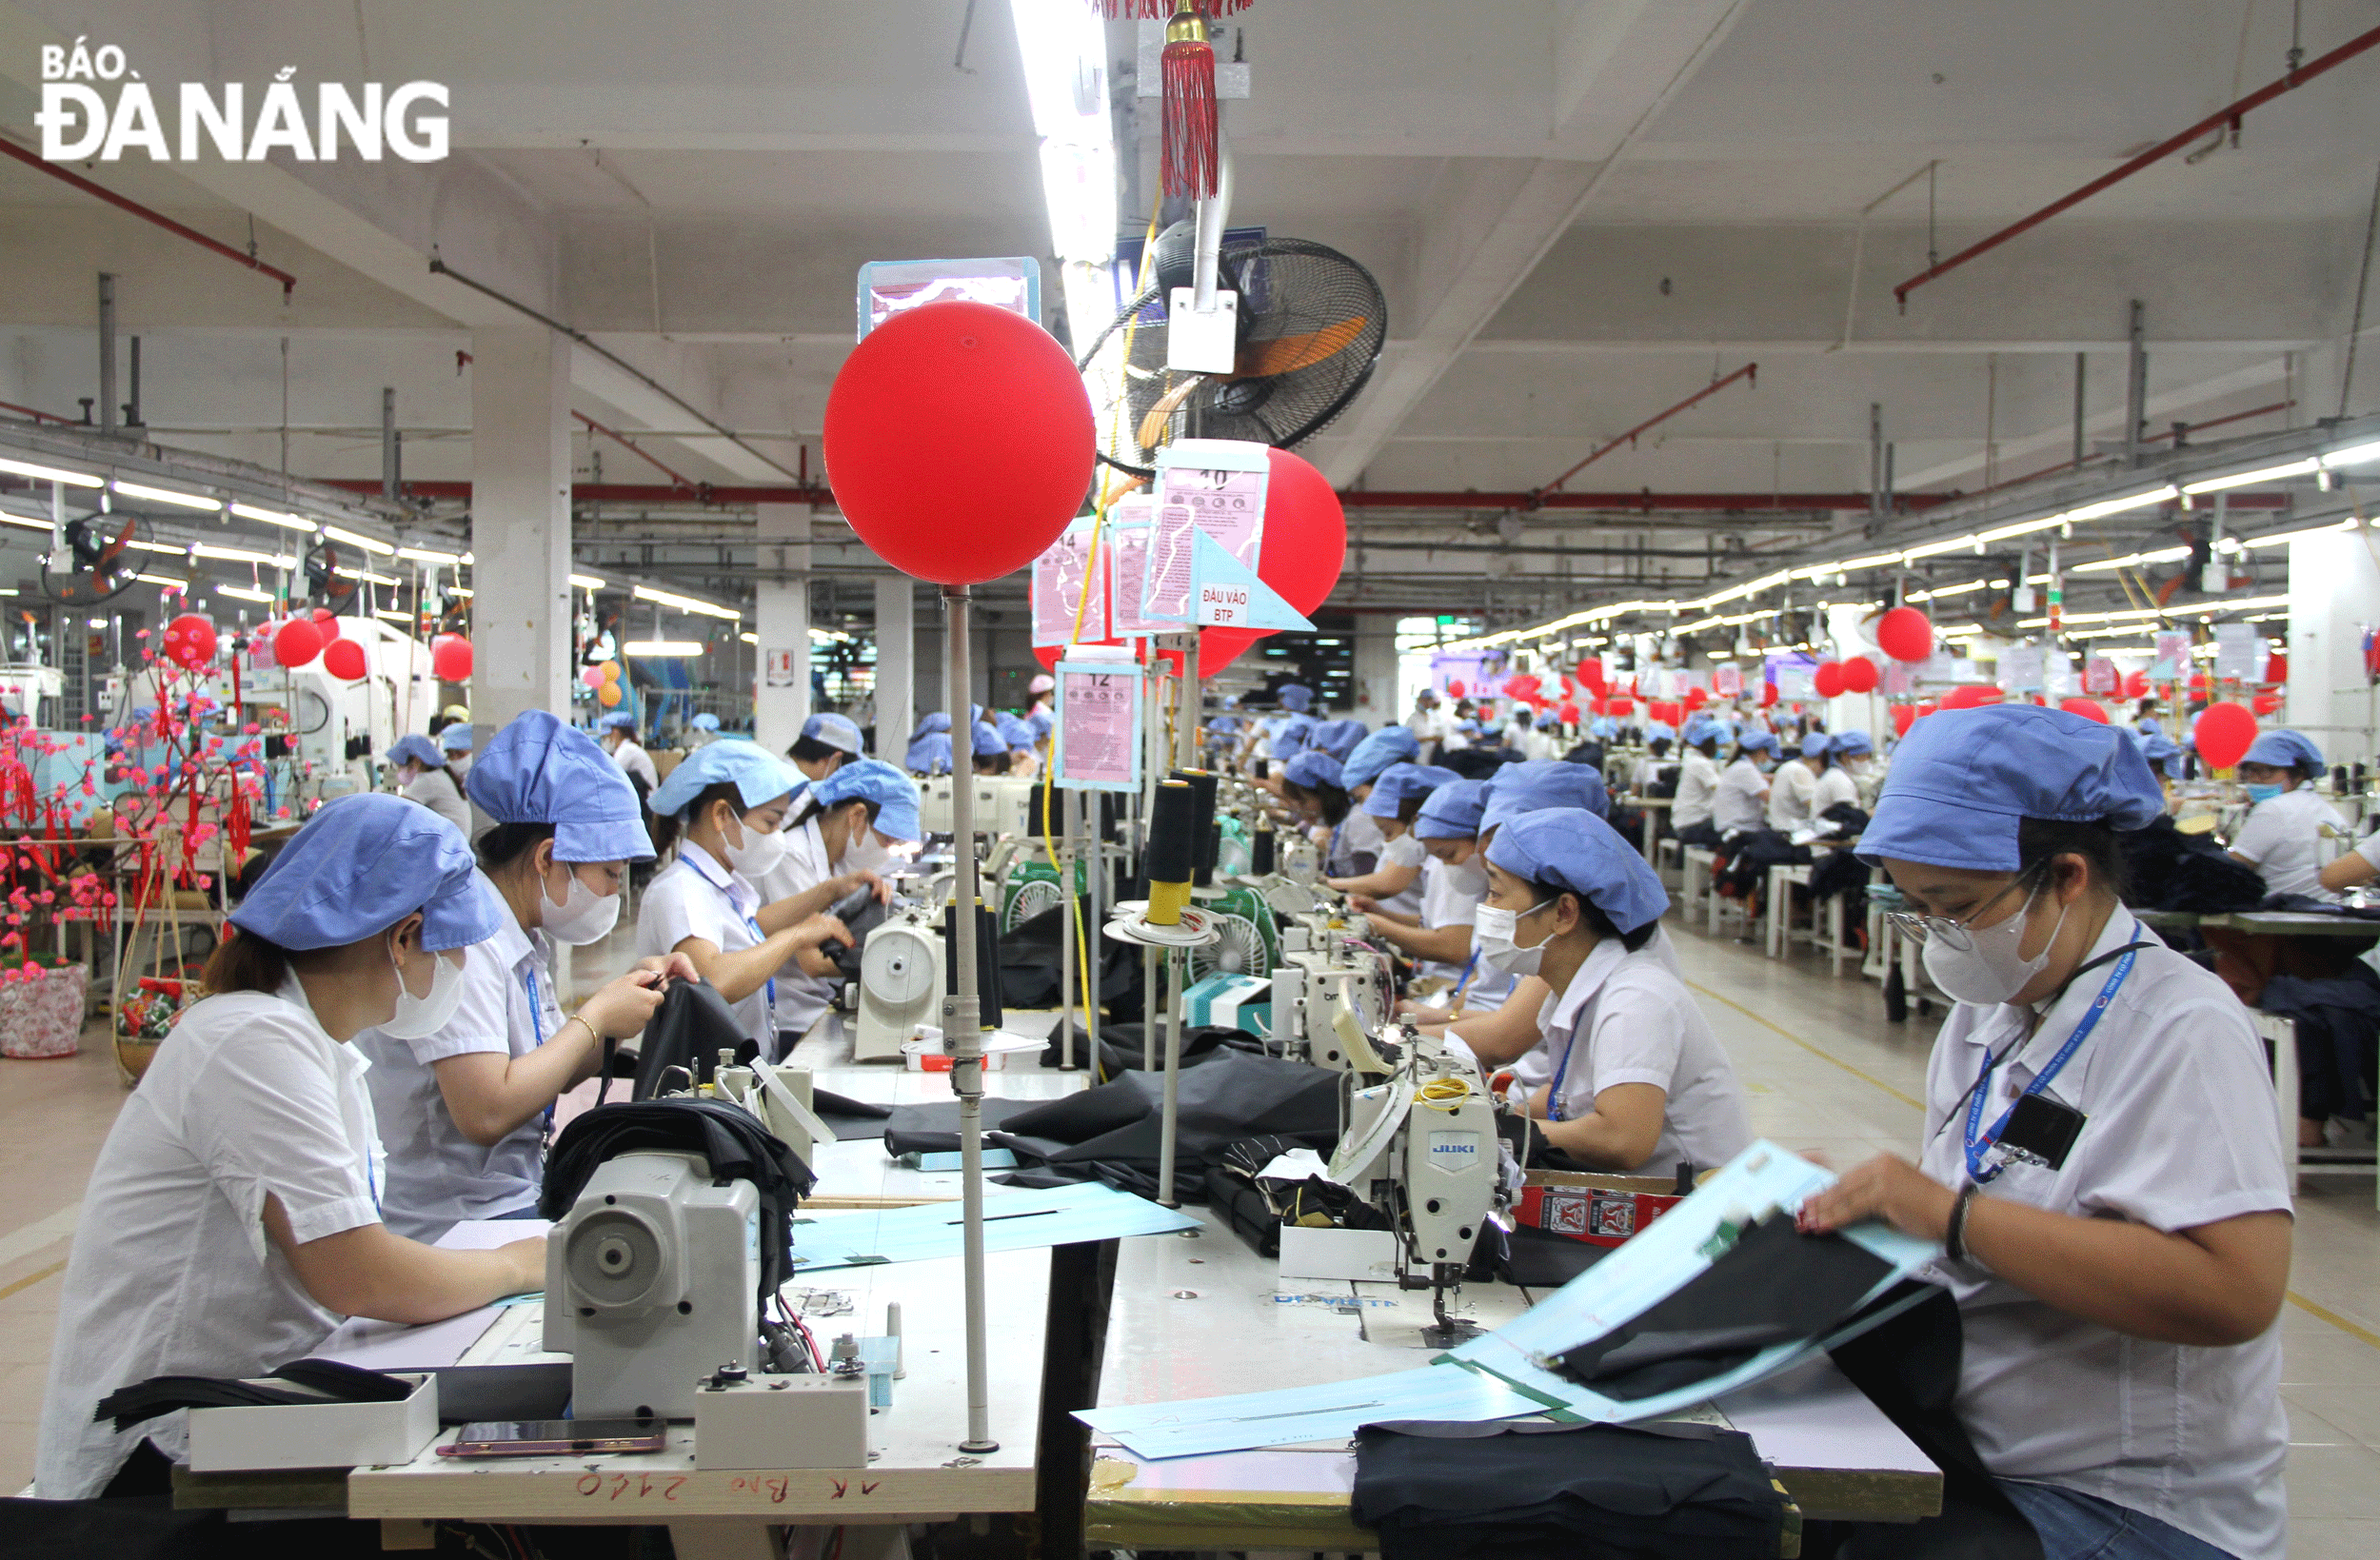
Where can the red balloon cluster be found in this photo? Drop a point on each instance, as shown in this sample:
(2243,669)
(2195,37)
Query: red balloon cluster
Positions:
(1860,675)
(1768,693)
(2276,667)
(344,658)
(1697,697)
(1011,433)
(1622,706)
(2224,734)
(190,641)
(1904,716)
(1590,673)
(1905,634)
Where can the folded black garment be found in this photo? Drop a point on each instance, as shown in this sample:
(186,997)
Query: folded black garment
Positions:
(1774,1285)
(854,1120)
(329,1380)
(1445,1492)
(934,1129)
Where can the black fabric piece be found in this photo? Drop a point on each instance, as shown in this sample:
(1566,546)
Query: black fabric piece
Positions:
(147,1400)
(1703,835)
(692,1026)
(1752,852)
(934,1128)
(1472,762)
(2338,1037)
(1539,1492)
(1588,753)
(2306,904)
(1121,1053)
(1909,1367)
(854,1120)
(2165,869)
(1839,874)
(470,1394)
(730,1139)
(1236,1187)
(1541,1260)
(1774,1285)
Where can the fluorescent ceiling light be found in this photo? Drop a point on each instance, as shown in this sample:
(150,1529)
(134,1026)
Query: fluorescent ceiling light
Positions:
(166,581)
(648,649)
(2352,455)
(243,593)
(274,517)
(244,555)
(1064,45)
(160,495)
(2277,538)
(8,518)
(685,603)
(2242,479)
(1872,560)
(354,539)
(372,578)
(50,473)
(2163,555)
(586,582)
(2117,506)
(426,555)
(392,615)
(2023,527)
(749,639)
(1929,549)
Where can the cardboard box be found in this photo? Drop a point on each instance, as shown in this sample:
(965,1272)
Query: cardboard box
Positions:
(328,1434)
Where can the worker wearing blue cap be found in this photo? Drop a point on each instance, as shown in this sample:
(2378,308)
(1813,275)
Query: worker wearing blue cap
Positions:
(1388,745)
(827,742)
(990,751)
(724,809)
(1314,786)
(1539,784)
(1437,938)
(1741,801)
(842,838)
(1698,780)
(1847,754)
(2107,1190)
(1794,785)
(454,741)
(1392,801)
(618,731)
(463,1109)
(233,1219)
(1638,1082)
(1017,736)
(1295,696)
(2282,835)
(417,767)
(703,728)
(1293,736)
(929,747)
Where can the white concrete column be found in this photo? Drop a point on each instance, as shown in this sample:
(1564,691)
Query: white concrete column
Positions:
(1374,690)
(896,666)
(780,694)
(2333,584)
(520,523)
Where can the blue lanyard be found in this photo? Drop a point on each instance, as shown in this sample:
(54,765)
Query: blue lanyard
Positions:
(751,924)
(537,1028)
(1977,1147)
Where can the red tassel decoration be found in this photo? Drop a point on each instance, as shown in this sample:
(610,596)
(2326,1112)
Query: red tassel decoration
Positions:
(1190,165)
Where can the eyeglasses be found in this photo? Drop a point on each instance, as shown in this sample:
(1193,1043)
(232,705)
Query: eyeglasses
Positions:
(1955,934)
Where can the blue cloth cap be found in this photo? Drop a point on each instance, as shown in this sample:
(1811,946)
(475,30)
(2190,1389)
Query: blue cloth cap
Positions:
(456,737)
(989,743)
(1400,782)
(1452,811)
(1295,737)
(1817,745)
(1041,723)
(929,724)
(539,770)
(1388,745)
(1701,729)
(928,755)
(1754,739)
(1222,726)
(2283,750)
(837,731)
(1539,784)
(1962,780)
(618,721)
(705,721)
(1851,744)
(873,779)
(1568,847)
(361,865)
(1296,696)
(1311,769)
(415,748)
(1014,732)
(758,775)
(1338,739)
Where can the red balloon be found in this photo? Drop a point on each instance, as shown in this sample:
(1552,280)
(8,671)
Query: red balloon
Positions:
(2137,684)
(1622,706)
(2224,734)
(1568,714)
(324,614)
(1454,685)
(960,442)
(2264,703)
(1768,693)
(2276,667)
(1860,675)
(451,658)
(190,641)
(1600,706)
(1968,696)
(1905,634)
(296,642)
(1828,679)
(1305,532)
(1590,673)
(1697,697)
(1521,687)
(2090,709)
(344,658)
(2200,686)
(1904,716)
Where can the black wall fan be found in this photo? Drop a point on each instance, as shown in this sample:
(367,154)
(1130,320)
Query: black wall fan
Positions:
(327,582)
(1311,326)
(98,562)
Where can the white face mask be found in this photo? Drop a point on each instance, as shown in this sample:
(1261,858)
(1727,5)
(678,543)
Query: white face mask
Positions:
(583,916)
(1991,969)
(1494,931)
(758,851)
(1469,878)
(865,853)
(418,1018)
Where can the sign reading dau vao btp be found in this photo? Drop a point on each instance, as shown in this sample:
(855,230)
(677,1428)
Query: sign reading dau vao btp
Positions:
(93,104)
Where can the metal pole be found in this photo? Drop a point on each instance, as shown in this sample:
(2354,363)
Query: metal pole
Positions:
(107,352)
(1148,1010)
(961,1023)
(1176,969)
(2082,370)
(1065,863)
(2136,386)
(388,479)
(1096,848)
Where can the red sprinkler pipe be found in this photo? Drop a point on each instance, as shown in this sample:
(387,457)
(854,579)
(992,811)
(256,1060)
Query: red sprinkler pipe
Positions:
(1749,371)
(2221,119)
(620,439)
(142,212)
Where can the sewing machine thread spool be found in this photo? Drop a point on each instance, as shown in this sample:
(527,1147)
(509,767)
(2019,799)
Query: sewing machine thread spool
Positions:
(1172,852)
(1208,842)
(1260,850)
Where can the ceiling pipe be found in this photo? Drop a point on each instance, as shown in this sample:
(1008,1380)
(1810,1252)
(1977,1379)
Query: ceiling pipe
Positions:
(621,440)
(2222,119)
(1749,371)
(146,215)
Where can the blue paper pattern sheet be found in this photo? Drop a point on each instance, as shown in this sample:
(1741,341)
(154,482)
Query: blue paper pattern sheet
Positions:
(1329,1413)
(1013,1221)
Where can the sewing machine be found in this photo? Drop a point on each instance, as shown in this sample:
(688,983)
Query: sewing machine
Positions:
(899,986)
(1331,989)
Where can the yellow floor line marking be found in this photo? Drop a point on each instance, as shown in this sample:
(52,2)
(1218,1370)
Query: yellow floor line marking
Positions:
(1824,1055)
(2326,1313)
(56,1268)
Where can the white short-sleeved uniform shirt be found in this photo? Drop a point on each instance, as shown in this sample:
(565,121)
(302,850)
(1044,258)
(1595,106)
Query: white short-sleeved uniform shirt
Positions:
(1626,1018)
(1427,726)
(1791,790)
(1449,897)
(1405,851)
(2370,849)
(2281,836)
(633,760)
(171,1272)
(802,997)
(1359,835)
(2180,1132)
(1741,800)
(1835,786)
(436,1175)
(1697,786)
(440,791)
(695,896)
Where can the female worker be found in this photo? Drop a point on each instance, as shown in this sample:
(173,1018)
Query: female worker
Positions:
(990,750)
(619,739)
(1741,800)
(418,766)
(929,747)
(724,809)
(840,838)
(1847,754)
(1639,1083)
(2101,1163)
(827,742)
(1440,939)
(1314,786)
(2282,836)
(234,1218)
(1795,786)
(1393,800)
(463,1109)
